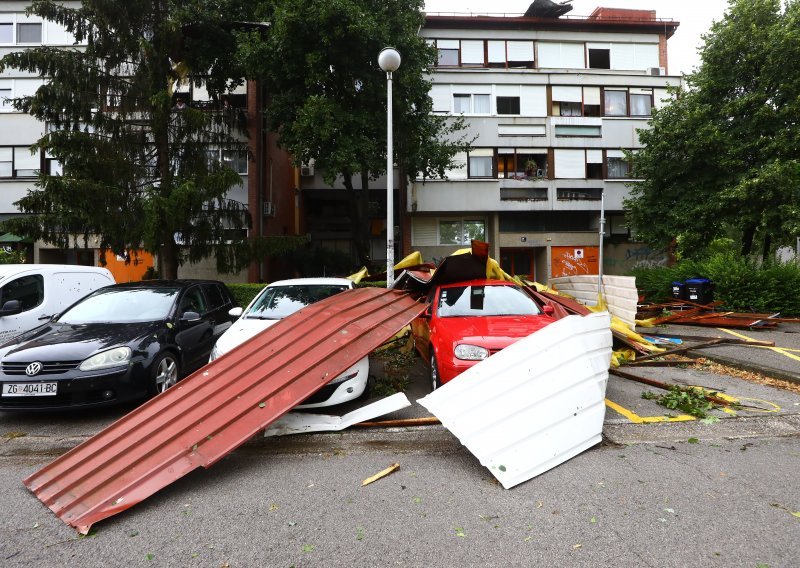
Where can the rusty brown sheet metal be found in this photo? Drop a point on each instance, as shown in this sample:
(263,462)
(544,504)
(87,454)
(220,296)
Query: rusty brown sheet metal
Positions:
(217,409)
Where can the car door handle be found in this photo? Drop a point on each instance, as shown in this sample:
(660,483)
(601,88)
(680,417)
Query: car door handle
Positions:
(41,318)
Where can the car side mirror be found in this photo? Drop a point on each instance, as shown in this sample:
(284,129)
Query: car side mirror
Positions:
(190,317)
(10,308)
(235,312)
(549,310)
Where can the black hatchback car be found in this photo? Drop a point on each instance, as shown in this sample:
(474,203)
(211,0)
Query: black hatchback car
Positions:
(119,343)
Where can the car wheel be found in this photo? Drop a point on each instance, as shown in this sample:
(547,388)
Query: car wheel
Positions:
(164,373)
(436,381)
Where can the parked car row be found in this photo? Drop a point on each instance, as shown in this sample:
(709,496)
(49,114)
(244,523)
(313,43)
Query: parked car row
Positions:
(124,342)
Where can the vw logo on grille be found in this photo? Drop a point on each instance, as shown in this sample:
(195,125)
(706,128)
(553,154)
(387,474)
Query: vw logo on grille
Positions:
(33,369)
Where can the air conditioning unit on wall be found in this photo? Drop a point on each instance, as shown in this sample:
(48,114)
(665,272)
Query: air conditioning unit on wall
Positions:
(307,170)
(269,209)
(656,71)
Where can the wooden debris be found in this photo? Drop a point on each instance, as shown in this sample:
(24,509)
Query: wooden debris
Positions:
(399,423)
(391,469)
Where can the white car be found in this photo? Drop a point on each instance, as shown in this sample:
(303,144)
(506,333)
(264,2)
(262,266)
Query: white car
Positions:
(283,298)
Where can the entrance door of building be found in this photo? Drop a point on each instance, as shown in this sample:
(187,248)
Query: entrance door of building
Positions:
(518,262)
(574,261)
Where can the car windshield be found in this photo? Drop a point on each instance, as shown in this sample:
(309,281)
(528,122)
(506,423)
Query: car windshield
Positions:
(277,302)
(122,305)
(485,301)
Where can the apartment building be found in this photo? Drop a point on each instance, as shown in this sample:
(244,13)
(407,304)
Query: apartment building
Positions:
(268,180)
(18,166)
(553,104)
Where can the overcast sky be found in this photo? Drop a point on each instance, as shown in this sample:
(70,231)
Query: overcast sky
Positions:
(695,17)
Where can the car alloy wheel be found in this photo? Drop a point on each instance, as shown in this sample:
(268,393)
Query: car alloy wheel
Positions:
(165,373)
(435,380)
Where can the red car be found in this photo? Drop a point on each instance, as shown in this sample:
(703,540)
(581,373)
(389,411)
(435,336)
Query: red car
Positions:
(467,322)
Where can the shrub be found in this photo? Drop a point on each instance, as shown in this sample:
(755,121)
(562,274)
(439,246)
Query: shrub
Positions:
(741,284)
(244,293)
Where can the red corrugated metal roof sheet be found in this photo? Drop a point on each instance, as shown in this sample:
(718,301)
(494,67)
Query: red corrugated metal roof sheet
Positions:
(218,408)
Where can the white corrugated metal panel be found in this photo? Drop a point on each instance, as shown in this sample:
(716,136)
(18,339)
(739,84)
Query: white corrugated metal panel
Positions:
(306,422)
(536,403)
(619,293)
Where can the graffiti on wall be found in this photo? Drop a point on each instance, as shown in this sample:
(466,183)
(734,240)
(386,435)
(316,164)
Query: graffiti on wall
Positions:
(621,259)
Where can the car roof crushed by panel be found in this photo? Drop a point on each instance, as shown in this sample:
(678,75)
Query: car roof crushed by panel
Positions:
(218,408)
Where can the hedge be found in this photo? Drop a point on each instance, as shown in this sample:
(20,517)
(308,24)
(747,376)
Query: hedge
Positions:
(739,283)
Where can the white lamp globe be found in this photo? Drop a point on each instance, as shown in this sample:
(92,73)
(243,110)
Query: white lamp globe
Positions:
(389,59)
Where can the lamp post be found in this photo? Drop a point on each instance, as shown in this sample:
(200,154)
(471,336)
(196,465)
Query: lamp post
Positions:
(389,61)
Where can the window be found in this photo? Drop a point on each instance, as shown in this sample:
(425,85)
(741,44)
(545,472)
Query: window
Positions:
(193,301)
(507,105)
(569,109)
(617,167)
(616,103)
(599,58)
(6,33)
(5,98)
(641,104)
(215,296)
(521,163)
(520,54)
(27,290)
(480,163)
(236,160)
(471,104)
(472,53)
(461,232)
(485,301)
(29,33)
(18,162)
(6,162)
(447,50)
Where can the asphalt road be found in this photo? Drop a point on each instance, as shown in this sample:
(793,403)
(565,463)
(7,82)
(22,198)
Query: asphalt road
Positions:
(657,492)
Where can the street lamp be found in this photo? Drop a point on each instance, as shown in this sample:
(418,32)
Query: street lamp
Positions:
(389,61)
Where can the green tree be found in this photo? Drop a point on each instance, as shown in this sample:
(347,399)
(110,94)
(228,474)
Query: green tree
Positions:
(136,170)
(722,159)
(326,95)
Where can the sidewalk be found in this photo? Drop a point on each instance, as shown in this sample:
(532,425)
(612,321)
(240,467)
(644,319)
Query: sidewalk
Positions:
(780,362)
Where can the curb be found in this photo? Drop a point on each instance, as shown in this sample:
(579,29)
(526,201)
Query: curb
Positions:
(751,368)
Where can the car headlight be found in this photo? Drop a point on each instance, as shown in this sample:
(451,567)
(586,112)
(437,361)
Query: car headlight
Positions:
(111,358)
(468,352)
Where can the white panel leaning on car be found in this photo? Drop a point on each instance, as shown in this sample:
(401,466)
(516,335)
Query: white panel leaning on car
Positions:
(31,294)
(283,298)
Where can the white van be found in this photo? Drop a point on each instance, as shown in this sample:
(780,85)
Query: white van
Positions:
(31,294)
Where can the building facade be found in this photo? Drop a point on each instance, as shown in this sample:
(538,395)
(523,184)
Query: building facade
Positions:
(268,182)
(553,103)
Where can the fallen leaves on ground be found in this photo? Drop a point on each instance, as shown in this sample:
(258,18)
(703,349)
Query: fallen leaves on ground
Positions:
(718,369)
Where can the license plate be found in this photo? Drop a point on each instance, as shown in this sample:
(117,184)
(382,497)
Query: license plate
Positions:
(30,389)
